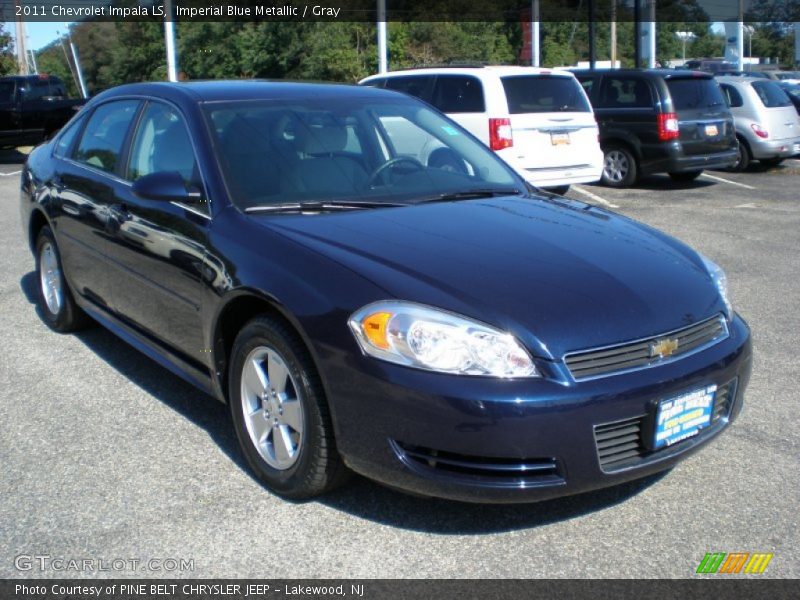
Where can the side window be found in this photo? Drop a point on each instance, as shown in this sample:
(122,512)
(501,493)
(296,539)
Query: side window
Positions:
(378,83)
(587,85)
(102,141)
(67,138)
(732,96)
(37,90)
(458,94)
(625,92)
(413,85)
(162,143)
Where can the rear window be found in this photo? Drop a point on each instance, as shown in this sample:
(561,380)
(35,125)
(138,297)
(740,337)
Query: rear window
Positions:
(544,93)
(414,85)
(771,94)
(695,92)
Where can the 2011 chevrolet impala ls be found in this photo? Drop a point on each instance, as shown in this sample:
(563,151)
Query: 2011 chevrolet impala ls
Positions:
(441,329)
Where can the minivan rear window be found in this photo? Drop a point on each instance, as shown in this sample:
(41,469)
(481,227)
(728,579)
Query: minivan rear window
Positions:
(695,92)
(544,93)
(771,94)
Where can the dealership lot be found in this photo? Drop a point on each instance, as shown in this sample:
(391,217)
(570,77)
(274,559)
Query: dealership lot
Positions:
(105,455)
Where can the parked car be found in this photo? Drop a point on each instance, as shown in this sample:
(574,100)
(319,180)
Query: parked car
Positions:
(538,120)
(767,124)
(793,91)
(756,74)
(659,121)
(789,76)
(709,65)
(448,333)
(33,108)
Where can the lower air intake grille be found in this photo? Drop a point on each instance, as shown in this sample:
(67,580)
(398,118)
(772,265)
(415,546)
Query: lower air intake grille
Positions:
(491,470)
(621,444)
(646,352)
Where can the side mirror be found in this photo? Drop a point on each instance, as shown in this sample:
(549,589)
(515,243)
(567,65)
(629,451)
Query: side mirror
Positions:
(164,185)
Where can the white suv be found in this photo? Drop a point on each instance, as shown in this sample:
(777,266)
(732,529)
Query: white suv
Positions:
(538,120)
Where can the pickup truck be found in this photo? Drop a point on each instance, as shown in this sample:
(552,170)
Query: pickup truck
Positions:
(33,108)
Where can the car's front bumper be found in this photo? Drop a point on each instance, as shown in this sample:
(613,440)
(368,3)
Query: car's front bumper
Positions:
(464,438)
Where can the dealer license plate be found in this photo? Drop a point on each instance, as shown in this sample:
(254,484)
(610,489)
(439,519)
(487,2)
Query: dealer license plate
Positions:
(559,138)
(711,130)
(683,416)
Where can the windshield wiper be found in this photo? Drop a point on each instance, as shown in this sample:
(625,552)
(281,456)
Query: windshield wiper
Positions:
(470,195)
(320,206)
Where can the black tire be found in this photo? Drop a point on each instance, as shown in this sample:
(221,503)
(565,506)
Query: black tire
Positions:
(684,176)
(771,162)
(317,466)
(559,189)
(744,159)
(64,316)
(620,169)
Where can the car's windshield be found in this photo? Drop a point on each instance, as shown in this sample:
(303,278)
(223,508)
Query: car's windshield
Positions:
(372,150)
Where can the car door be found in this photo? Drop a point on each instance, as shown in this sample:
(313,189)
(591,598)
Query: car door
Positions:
(85,184)
(157,247)
(9,115)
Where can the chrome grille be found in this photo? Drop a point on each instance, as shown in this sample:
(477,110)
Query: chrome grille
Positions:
(621,444)
(639,354)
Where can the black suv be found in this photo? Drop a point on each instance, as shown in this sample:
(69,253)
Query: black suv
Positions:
(659,121)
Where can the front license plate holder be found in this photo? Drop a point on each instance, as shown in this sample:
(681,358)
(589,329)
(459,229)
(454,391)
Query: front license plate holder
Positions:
(680,417)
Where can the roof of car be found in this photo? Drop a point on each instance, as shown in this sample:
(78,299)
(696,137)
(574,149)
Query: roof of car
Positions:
(246,89)
(665,73)
(475,70)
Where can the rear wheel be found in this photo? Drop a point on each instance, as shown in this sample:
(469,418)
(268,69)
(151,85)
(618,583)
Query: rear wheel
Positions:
(686,175)
(743,159)
(619,167)
(55,301)
(771,162)
(280,413)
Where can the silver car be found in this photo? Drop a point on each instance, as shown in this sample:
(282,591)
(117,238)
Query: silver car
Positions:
(767,125)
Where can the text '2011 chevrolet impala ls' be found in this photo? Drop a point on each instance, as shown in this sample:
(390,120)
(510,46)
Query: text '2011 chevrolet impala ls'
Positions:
(443,330)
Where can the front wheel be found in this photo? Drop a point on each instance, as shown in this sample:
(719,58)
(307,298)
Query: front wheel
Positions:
(619,167)
(280,413)
(686,175)
(56,304)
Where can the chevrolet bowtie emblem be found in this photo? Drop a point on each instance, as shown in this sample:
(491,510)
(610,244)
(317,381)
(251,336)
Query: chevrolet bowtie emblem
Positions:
(663,348)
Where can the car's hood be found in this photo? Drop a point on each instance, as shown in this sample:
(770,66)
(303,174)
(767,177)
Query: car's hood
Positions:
(560,275)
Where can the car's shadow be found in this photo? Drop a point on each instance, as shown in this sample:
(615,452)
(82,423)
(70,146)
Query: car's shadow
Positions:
(664,182)
(360,497)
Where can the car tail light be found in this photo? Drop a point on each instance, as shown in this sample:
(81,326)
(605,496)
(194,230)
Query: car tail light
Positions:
(668,127)
(500,134)
(759,130)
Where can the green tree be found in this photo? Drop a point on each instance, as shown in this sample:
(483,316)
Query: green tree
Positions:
(8,61)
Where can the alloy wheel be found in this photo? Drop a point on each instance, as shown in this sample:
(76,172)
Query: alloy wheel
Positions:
(616,166)
(50,278)
(272,409)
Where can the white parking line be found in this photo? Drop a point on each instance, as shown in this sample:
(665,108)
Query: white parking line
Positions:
(723,180)
(593,196)
(9,174)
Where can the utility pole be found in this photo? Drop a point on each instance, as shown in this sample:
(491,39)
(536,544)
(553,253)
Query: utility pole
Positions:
(592,53)
(22,52)
(77,60)
(613,34)
(637,39)
(169,39)
(383,58)
(535,50)
(740,36)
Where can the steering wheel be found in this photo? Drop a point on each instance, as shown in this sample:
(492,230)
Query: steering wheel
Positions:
(381,170)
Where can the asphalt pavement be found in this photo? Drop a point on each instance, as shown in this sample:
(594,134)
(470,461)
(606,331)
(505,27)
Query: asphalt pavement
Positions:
(105,456)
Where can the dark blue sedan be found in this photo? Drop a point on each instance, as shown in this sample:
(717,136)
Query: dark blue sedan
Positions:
(371,289)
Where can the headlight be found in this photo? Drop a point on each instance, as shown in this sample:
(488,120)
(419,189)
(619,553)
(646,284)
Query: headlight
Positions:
(721,281)
(427,338)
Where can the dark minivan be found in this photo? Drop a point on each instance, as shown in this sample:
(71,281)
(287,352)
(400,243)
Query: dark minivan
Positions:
(659,121)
